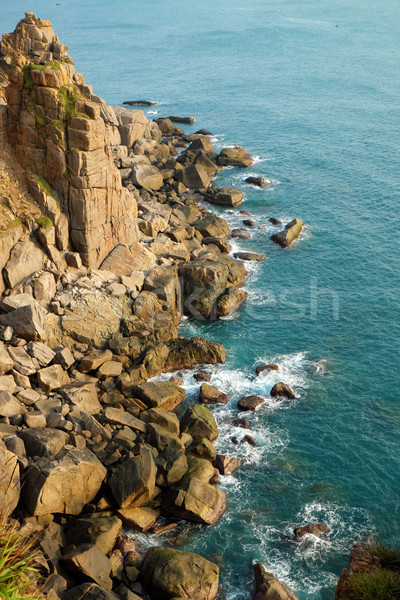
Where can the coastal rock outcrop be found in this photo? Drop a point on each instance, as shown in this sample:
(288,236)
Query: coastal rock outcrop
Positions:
(269,587)
(289,234)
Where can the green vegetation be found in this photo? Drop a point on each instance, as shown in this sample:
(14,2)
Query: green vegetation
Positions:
(44,222)
(17,573)
(44,186)
(388,557)
(68,97)
(67,174)
(379,585)
(27,70)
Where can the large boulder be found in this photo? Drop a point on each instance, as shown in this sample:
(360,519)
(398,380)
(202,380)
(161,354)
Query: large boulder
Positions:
(41,441)
(225,197)
(199,422)
(26,258)
(168,573)
(230,301)
(101,532)
(124,260)
(9,481)
(234,157)
(132,483)
(289,234)
(64,483)
(199,174)
(209,394)
(210,225)
(186,353)
(269,587)
(28,322)
(147,176)
(88,561)
(164,418)
(195,500)
(172,465)
(160,394)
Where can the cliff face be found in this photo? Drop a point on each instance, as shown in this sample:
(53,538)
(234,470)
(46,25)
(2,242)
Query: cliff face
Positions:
(63,136)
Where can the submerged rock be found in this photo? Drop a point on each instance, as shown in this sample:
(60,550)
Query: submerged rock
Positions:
(319,530)
(168,573)
(289,234)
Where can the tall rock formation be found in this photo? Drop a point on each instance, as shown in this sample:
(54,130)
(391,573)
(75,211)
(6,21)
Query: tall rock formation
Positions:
(63,136)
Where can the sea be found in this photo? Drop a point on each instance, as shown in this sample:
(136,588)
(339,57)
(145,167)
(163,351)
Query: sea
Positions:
(311,89)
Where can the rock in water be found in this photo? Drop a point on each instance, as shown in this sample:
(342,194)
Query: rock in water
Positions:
(188,120)
(250,402)
(212,395)
(258,181)
(319,530)
(289,234)
(270,588)
(234,157)
(139,102)
(168,573)
(281,389)
(225,197)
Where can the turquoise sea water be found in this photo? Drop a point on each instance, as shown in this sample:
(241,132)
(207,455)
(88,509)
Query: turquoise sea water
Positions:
(319,106)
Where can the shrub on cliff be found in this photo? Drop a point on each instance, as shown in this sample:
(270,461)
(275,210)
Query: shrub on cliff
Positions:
(379,585)
(17,573)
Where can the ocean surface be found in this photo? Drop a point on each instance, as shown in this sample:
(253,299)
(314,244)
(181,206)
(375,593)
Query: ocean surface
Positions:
(318,105)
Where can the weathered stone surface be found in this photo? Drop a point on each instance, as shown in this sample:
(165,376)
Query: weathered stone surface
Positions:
(147,176)
(10,406)
(161,438)
(160,394)
(101,532)
(226,464)
(172,465)
(139,518)
(266,368)
(168,573)
(319,530)
(252,256)
(132,483)
(42,353)
(6,362)
(258,181)
(209,394)
(43,442)
(250,402)
(234,157)
(52,378)
(64,483)
(199,422)
(26,258)
(90,591)
(199,468)
(94,360)
(225,197)
(289,234)
(362,560)
(89,561)
(230,301)
(83,395)
(120,417)
(44,288)
(186,353)
(123,260)
(195,500)
(268,587)
(23,363)
(212,226)
(9,481)
(28,322)
(203,448)
(281,389)
(161,417)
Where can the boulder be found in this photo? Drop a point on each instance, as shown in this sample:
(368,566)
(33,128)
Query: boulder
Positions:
(364,562)
(226,464)
(242,234)
(26,258)
(124,260)
(319,530)
(9,481)
(187,353)
(82,395)
(201,143)
(94,360)
(23,363)
(98,531)
(250,402)
(202,376)
(168,573)
(160,394)
(289,234)
(281,389)
(258,181)
(212,226)
(230,301)
(209,394)
(268,587)
(119,416)
(203,448)
(42,353)
(166,419)
(172,465)
(275,221)
(225,197)
(234,157)
(64,483)
(199,422)
(52,378)
(28,322)
(10,406)
(88,561)
(161,438)
(195,500)
(147,176)
(43,442)
(91,591)
(199,468)
(266,368)
(139,518)
(199,174)
(6,362)
(132,482)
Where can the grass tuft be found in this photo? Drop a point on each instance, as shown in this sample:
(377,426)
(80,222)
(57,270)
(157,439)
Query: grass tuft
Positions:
(388,557)
(44,222)
(379,585)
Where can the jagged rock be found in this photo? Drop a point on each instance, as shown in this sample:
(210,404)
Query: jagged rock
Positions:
(43,442)
(187,353)
(199,468)
(42,353)
(199,174)
(212,226)
(172,465)
(160,394)
(258,181)
(168,573)
(234,157)
(222,245)
(26,258)
(164,418)
(131,124)
(266,368)
(199,422)
(88,561)
(6,362)
(254,256)
(10,406)
(52,378)
(82,395)
(64,483)
(7,384)
(23,363)
(289,234)
(250,402)
(44,287)
(9,481)
(195,500)
(99,531)
(319,530)
(124,260)
(94,360)
(230,301)
(281,389)
(161,438)
(203,448)
(225,197)
(362,561)
(132,483)
(8,239)
(226,464)
(139,518)
(147,176)
(28,322)
(203,144)
(268,587)
(120,417)
(202,376)
(204,281)
(209,394)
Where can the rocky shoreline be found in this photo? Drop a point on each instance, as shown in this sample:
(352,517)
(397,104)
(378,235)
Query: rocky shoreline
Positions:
(95,277)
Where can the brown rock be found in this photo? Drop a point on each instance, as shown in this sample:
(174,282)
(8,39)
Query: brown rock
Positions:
(250,402)
(289,234)
(266,368)
(281,389)
(226,464)
(212,395)
(268,587)
(235,157)
(319,530)
(89,561)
